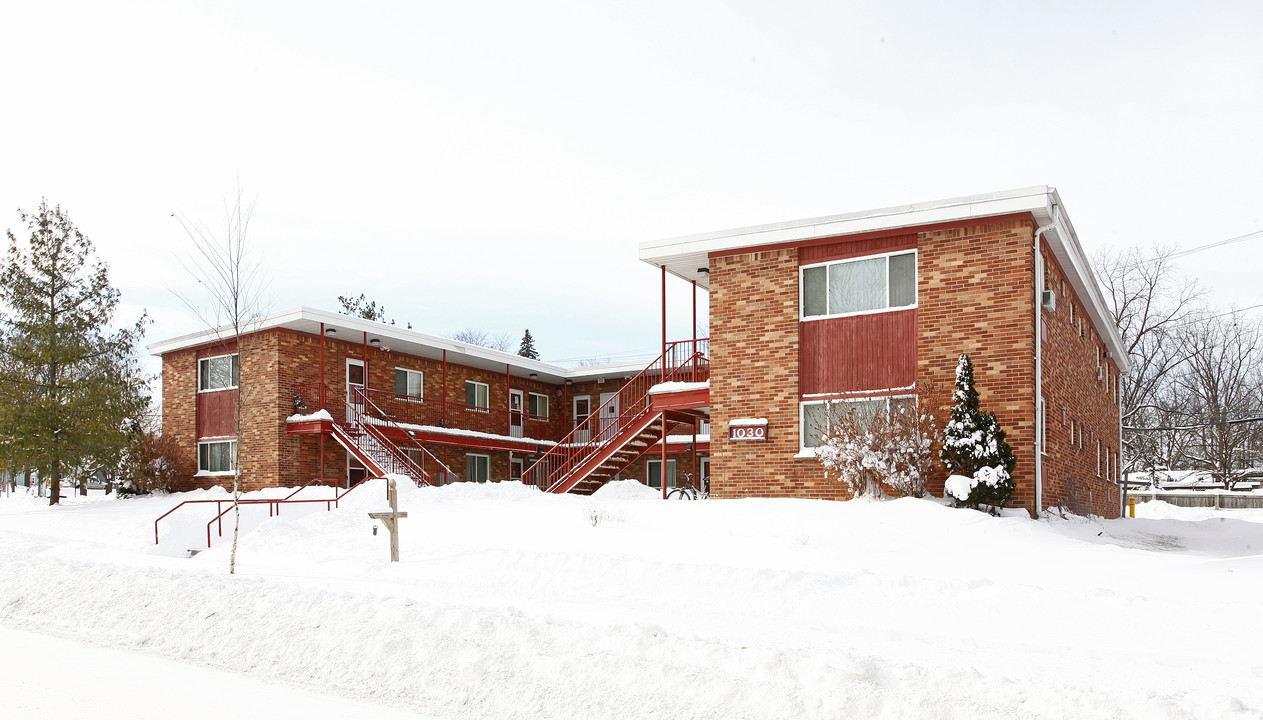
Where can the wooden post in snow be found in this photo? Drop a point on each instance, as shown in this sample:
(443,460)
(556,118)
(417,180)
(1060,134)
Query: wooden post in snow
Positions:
(390,519)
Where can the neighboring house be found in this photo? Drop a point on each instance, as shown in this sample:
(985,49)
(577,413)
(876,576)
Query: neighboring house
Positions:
(842,308)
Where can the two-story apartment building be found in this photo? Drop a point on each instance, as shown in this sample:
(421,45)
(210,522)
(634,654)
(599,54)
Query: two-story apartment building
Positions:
(850,307)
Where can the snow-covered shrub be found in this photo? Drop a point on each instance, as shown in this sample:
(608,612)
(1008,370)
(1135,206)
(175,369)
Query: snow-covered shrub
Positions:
(974,450)
(885,442)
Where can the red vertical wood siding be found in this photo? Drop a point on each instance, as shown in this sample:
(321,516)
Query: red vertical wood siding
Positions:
(844,249)
(216,413)
(862,352)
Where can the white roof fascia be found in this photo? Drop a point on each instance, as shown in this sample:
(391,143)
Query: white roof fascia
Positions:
(289,319)
(1064,242)
(683,255)
(294,318)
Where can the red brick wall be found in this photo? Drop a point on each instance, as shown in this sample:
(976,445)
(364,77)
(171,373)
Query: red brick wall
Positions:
(1074,396)
(976,296)
(754,373)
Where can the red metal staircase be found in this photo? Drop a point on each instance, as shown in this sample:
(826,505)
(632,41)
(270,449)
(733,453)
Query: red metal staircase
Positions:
(622,429)
(363,437)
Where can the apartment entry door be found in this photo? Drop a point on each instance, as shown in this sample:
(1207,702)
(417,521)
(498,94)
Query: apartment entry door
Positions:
(609,415)
(582,409)
(515,413)
(354,379)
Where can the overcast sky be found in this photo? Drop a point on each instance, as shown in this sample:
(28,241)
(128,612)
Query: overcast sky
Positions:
(494,165)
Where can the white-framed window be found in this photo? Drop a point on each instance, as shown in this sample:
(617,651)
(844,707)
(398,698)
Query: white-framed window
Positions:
(222,372)
(217,457)
(477,468)
(653,469)
(1098,458)
(409,383)
(477,396)
(875,283)
(813,419)
(537,405)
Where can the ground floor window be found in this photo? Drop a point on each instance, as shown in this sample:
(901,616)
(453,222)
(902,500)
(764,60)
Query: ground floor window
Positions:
(653,468)
(815,416)
(217,457)
(477,468)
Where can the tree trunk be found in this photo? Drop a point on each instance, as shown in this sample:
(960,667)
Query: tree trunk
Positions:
(54,484)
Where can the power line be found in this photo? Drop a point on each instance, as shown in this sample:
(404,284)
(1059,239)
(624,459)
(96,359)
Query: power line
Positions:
(1218,243)
(1238,421)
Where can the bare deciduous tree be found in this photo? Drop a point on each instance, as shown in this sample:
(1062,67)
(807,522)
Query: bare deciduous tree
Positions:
(231,306)
(1150,303)
(484,338)
(1222,388)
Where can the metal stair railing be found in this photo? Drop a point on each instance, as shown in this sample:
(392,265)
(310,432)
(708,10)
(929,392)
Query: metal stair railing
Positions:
(369,438)
(683,361)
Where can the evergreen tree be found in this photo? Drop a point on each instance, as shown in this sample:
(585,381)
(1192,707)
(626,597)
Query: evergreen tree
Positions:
(527,349)
(70,387)
(974,446)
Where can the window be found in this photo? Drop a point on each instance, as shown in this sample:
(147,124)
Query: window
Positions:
(477,468)
(416,455)
(814,422)
(409,383)
(653,468)
(217,457)
(218,373)
(870,284)
(477,396)
(538,405)
(1098,458)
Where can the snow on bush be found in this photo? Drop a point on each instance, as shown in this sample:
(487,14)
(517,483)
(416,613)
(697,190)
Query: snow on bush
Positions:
(890,443)
(962,487)
(975,452)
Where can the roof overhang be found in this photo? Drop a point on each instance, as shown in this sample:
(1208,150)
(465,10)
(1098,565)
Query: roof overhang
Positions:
(396,339)
(686,256)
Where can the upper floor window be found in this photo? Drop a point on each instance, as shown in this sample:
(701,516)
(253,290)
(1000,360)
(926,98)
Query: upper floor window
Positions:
(538,406)
(862,285)
(477,395)
(218,373)
(409,383)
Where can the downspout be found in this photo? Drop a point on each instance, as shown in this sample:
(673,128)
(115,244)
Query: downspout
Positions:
(1040,431)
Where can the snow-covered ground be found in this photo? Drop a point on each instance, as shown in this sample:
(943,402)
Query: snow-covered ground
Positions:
(509,603)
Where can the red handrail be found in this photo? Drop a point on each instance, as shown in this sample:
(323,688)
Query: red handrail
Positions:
(252,501)
(438,413)
(683,360)
(400,461)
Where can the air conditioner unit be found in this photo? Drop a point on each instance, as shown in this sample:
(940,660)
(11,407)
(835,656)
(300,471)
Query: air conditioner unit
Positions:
(1048,299)
(1100,373)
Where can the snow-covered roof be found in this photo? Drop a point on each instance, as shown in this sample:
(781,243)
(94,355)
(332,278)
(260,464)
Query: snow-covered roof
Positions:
(410,342)
(683,256)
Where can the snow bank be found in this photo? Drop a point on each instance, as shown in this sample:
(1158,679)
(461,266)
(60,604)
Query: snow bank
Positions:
(509,603)
(626,490)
